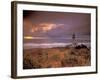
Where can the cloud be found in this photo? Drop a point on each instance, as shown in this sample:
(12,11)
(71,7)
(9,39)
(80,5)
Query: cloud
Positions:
(45,27)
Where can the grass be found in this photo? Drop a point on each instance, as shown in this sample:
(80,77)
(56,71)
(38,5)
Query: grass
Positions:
(56,57)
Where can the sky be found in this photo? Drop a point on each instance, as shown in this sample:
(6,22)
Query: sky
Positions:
(46,24)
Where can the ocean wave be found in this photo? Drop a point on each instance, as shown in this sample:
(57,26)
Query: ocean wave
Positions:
(51,45)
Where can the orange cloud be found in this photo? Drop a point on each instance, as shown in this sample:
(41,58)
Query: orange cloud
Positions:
(34,29)
(45,27)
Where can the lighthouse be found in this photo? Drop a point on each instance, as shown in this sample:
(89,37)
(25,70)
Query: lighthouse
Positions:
(74,40)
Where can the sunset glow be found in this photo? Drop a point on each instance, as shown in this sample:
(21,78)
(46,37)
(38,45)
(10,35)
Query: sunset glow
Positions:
(28,37)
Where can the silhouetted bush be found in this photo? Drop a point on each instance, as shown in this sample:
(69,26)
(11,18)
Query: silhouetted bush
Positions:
(81,46)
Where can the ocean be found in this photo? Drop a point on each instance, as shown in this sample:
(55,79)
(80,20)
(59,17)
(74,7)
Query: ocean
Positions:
(48,42)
